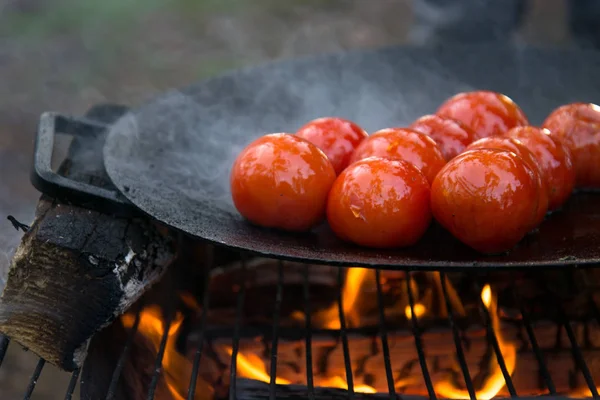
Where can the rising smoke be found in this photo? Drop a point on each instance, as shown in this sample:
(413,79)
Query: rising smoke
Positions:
(72,72)
(57,57)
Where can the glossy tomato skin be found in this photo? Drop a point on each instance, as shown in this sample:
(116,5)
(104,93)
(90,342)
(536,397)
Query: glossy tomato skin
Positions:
(514,145)
(554,159)
(486,198)
(403,144)
(486,113)
(451,136)
(282,181)
(337,137)
(577,125)
(380,203)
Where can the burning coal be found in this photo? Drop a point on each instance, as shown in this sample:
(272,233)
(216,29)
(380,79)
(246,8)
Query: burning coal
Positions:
(480,319)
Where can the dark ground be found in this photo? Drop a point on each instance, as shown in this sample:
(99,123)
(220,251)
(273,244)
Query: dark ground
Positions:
(59,55)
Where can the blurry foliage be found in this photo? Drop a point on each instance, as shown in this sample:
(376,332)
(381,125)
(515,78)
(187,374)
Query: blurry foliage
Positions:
(72,16)
(83,16)
(106,30)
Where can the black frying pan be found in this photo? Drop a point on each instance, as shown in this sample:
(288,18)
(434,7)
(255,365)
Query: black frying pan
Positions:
(171,157)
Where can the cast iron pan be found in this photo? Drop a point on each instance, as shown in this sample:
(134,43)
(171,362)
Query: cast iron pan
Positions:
(171,157)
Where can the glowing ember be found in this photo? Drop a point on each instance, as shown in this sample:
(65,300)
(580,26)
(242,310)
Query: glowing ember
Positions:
(429,300)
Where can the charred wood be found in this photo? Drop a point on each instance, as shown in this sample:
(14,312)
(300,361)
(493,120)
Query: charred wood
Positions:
(75,269)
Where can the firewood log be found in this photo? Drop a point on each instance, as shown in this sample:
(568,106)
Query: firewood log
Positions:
(76,269)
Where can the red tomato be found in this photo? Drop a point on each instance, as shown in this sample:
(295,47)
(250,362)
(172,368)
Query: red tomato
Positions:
(451,136)
(337,137)
(554,159)
(403,144)
(378,202)
(577,125)
(486,198)
(282,181)
(514,145)
(485,113)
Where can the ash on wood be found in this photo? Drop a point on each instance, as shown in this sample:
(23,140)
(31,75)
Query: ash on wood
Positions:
(76,270)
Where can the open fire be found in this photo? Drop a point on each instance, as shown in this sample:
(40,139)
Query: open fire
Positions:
(484,327)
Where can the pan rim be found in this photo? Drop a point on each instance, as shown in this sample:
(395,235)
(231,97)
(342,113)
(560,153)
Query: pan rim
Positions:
(383,262)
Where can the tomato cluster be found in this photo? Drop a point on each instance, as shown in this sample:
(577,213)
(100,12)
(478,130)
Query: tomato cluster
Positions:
(476,166)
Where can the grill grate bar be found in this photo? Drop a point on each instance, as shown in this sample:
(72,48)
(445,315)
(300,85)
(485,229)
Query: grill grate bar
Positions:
(72,384)
(494,341)
(344,336)
(576,350)
(457,341)
(114,380)
(308,339)
(4,342)
(34,378)
(236,332)
(592,304)
(275,341)
(384,338)
(534,344)
(418,342)
(160,354)
(202,324)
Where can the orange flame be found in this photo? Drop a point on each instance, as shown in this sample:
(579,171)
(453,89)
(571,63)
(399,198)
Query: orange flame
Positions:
(582,393)
(420,310)
(252,367)
(495,381)
(330,317)
(339,383)
(176,368)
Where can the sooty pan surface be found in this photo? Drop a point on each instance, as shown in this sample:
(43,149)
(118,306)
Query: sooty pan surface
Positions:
(172,156)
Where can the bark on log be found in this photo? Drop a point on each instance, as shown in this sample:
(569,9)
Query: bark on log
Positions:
(76,270)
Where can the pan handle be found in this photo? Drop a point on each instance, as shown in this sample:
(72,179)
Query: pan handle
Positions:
(55,185)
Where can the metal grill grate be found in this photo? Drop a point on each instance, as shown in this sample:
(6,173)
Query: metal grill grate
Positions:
(275,389)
